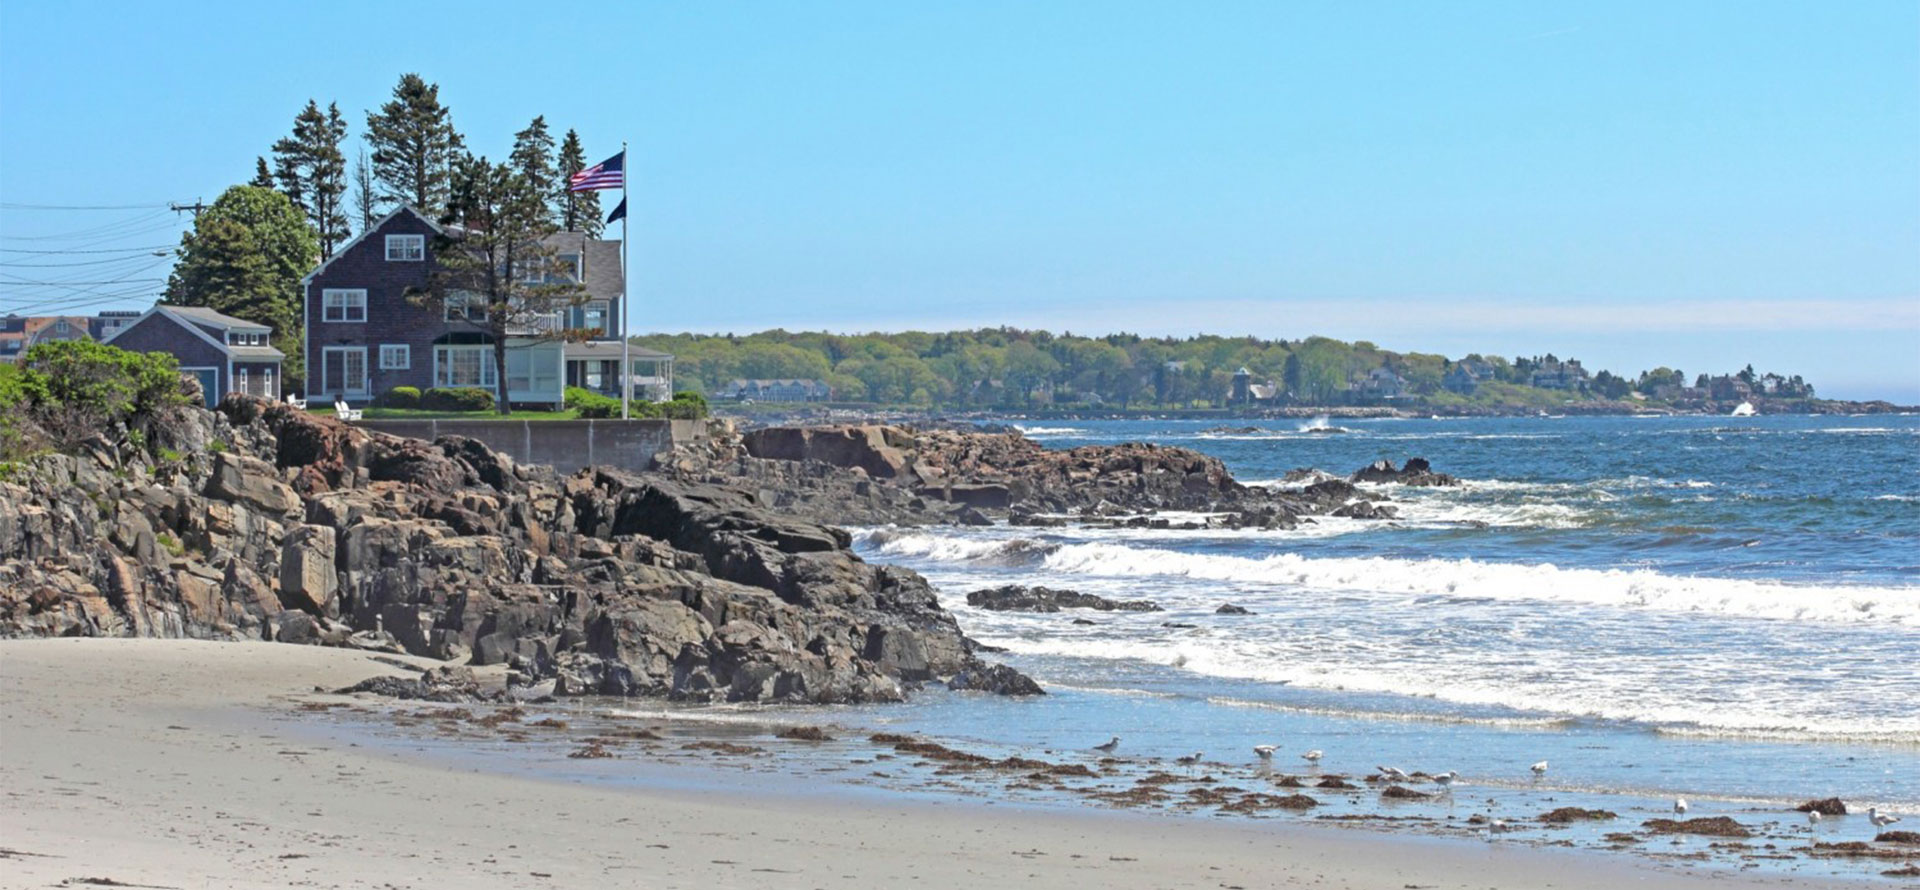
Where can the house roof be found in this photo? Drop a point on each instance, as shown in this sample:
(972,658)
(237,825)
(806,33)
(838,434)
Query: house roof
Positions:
(186,316)
(207,316)
(609,349)
(600,260)
(344,248)
(778,381)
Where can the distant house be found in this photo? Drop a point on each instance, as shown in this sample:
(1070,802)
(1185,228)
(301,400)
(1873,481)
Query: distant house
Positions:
(1784,388)
(1379,383)
(1466,376)
(780,390)
(108,323)
(1242,391)
(1245,391)
(20,333)
(1672,392)
(1727,388)
(365,335)
(224,353)
(1566,375)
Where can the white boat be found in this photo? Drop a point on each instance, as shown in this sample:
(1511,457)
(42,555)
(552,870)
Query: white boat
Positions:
(1744,409)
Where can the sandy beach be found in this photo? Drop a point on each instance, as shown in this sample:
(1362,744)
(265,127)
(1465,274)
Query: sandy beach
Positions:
(156,763)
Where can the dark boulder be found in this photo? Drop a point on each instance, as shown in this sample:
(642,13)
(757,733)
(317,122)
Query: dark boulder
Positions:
(1016,598)
(995,678)
(1417,472)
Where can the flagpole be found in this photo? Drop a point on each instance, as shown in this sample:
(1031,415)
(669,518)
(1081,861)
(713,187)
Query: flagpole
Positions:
(626,302)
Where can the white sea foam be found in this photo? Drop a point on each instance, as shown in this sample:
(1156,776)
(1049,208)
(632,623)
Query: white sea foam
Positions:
(1463,578)
(1050,431)
(1636,589)
(1555,688)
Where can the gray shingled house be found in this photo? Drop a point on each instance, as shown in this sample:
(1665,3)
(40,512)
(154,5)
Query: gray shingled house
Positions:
(226,354)
(365,337)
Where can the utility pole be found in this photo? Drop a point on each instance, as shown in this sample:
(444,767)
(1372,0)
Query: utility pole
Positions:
(196,207)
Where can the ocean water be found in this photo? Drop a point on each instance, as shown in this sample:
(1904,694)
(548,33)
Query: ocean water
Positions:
(1722,608)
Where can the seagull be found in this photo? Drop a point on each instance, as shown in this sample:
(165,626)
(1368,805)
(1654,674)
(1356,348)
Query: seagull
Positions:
(1188,762)
(1539,769)
(1499,826)
(1312,756)
(1446,779)
(1108,747)
(1680,805)
(1813,819)
(1879,819)
(1265,751)
(1391,772)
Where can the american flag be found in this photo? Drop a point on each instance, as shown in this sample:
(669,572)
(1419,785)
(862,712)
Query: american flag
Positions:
(608,174)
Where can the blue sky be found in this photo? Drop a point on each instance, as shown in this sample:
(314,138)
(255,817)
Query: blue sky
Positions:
(1634,184)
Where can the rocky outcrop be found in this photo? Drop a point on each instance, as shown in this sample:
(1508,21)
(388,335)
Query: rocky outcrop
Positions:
(1416,472)
(1015,598)
(280,525)
(878,475)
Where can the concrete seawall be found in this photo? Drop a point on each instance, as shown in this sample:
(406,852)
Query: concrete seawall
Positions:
(565,445)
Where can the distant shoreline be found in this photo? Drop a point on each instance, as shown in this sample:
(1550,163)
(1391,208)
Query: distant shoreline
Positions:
(771,413)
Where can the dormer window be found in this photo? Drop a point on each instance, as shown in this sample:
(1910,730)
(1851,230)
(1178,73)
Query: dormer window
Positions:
(406,248)
(561,268)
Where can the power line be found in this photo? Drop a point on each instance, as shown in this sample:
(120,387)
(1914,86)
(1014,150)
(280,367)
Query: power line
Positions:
(114,250)
(119,259)
(12,205)
(112,228)
(78,283)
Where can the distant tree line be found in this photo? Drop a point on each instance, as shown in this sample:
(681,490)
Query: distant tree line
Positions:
(1012,368)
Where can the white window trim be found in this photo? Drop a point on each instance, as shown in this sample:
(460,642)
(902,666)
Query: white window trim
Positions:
(443,366)
(458,306)
(403,350)
(412,248)
(350,294)
(326,354)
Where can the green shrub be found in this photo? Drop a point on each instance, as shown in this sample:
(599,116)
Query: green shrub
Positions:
(399,397)
(589,404)
(216,446)
(75,389)
(464,398)
(170,544)
(686,406)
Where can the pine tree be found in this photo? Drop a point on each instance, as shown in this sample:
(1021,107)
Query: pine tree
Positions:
(262,177)
(533,159)
(313,173)
(504,224)
(578,211)
(365,202)
(414,146)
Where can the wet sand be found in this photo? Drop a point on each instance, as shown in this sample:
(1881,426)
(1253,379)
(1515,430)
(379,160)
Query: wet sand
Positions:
(162,763)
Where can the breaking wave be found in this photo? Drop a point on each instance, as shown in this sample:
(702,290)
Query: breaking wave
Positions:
(1463,578)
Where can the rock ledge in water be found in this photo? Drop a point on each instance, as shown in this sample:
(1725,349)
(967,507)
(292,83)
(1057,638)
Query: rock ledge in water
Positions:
(1017,598)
